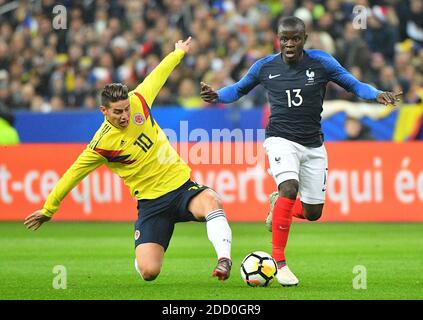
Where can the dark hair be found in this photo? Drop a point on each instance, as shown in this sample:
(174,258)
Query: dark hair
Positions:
(291,22)
(113,92)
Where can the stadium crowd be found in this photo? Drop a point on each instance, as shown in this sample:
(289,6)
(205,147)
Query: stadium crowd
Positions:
(43,68)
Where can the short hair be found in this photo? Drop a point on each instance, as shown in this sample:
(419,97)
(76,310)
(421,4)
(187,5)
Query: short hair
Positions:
(113,92)
(291,22)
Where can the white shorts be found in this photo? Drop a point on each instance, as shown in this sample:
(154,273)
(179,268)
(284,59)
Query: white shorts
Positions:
(309,166)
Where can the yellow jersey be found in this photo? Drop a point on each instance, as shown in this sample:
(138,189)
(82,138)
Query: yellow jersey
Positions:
(140,154)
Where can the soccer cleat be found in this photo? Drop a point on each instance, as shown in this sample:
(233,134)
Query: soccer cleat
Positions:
(272,200)
(286,278)
(223,269)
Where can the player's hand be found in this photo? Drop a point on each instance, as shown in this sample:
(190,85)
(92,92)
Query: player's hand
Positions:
(207,93)
(388,98)
(35,220)
(184,45)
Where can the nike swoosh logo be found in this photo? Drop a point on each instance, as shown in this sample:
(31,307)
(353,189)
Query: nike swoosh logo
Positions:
(274,76)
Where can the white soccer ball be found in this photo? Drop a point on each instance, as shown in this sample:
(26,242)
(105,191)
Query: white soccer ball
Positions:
(258,269)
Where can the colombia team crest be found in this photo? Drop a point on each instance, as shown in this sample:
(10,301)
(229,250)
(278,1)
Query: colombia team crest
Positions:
(138,118)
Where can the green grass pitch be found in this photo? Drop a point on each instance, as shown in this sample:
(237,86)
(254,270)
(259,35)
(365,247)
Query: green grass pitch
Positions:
(99,261)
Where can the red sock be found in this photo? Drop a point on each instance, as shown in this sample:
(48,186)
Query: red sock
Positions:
(297,210)
(281,222)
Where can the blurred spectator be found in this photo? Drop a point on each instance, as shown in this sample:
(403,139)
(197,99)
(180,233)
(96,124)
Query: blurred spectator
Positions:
(411,21)
(388,81)
(165,97)
(351,49)
(46,69)
(90,103)
(413,94)
(380,37)
(57,103)
(8,134)
(318,35)
(286,8)
(188,95)
(356,130)
(339,18)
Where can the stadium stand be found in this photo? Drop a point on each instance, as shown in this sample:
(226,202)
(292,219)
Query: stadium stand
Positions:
(45,69)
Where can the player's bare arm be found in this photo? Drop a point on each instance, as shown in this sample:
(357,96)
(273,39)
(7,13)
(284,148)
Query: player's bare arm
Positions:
(207,93)
(35,220)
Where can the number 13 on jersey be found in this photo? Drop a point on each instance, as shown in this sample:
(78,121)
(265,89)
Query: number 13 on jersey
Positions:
(297,99)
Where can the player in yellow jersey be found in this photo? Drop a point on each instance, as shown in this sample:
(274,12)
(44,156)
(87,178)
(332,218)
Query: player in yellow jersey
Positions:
(132,145)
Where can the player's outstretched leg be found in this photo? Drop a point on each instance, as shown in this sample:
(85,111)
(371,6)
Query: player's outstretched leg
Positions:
(220,235)
(310,212)
(208,206)
(281,224)
(282,218)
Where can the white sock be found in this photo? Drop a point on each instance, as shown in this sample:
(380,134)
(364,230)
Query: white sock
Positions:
(219,233)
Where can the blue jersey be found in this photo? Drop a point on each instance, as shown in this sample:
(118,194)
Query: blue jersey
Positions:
(296,93)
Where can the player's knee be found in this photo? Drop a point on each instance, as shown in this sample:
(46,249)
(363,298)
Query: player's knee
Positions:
(147,272)
(211,200)
(149,275)
(313,213)
(289,189)
(313,216)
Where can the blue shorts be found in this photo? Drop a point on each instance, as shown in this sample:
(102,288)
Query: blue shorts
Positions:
(157,217)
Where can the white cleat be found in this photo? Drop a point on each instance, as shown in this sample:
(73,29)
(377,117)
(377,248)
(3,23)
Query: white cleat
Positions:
(286,278)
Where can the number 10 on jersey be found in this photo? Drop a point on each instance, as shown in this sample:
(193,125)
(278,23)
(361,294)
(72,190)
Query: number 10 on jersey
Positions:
(297,100)
(144,142)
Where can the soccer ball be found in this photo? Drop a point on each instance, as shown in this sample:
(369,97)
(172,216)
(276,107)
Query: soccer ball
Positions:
(258,269)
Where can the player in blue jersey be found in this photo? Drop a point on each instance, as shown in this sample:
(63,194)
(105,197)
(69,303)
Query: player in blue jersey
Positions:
(295,80)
